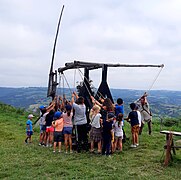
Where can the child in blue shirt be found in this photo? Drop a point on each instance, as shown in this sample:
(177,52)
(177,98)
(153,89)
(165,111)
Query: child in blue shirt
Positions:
(29,128)
(119,108)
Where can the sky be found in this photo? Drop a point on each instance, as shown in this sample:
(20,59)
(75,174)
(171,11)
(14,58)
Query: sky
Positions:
(105,31)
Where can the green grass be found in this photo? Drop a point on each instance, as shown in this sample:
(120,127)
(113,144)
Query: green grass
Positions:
(21,161)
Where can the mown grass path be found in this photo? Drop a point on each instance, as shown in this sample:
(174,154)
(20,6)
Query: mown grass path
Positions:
(21,161)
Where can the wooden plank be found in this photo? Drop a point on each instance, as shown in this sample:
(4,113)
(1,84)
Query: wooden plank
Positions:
(172,132)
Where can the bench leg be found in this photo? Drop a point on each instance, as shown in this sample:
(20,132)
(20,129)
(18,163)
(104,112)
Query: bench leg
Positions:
(168,156)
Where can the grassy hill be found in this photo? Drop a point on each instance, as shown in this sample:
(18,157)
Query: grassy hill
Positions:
(21,161)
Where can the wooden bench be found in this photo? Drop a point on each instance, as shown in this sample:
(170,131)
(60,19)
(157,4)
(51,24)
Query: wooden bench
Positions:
(170,145)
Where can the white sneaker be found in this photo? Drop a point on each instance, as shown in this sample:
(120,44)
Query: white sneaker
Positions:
(137,145)
(133,146)
(47,145)
(59,151)
(53,151)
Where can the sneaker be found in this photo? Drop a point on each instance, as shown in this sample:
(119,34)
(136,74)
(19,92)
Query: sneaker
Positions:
(92,151)
(59,151)
(71,152)
(99,152)
(50,145)
(137,145)
(133,146)
(26,141)
(66,152)
(53,151)
(39,144)
(47,145)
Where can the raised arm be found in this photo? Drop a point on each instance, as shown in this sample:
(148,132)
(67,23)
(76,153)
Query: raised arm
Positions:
(72,100)
(94,101)
(76,95)
(51,106)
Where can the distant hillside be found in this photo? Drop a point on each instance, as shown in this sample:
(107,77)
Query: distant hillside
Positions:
(163,103)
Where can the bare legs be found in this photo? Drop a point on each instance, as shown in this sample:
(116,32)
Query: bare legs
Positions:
(98,146)
(118,142)
(68,142)
(49,138)
(59,146)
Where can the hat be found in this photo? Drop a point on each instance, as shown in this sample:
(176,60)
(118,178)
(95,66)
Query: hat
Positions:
(111,115)
(68,107)
(57,114)
(30,116)
(42,107)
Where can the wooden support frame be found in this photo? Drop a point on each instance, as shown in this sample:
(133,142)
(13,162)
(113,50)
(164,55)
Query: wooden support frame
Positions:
(170,146)
(103,88)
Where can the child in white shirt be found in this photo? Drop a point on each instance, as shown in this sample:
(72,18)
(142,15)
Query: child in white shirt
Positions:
(118,132)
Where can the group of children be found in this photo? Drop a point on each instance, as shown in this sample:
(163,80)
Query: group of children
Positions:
(55,127)
(106,119)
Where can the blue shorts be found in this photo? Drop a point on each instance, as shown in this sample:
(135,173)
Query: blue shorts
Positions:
(67,130)
(29,133)
(42,128)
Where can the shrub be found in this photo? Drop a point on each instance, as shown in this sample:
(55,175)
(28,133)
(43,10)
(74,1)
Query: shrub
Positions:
(171,122)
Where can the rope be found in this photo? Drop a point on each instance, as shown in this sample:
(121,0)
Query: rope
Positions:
(84,83)
(151,86)
(88,82)
(74,79)
(59,85)
(67,83)
(155,79)
(63,84)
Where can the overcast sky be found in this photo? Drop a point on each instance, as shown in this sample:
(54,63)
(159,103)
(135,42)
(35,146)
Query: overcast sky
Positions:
(109,31)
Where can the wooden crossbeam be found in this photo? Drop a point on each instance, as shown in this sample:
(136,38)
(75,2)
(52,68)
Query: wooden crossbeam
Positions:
(91,66)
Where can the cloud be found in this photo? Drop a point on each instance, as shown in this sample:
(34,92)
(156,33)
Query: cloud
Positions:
(125,32)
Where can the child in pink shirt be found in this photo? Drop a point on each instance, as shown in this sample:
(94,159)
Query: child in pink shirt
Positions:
(67,127)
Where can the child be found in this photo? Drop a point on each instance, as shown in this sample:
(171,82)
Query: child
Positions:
(49,128)
(107,133)
(67,129)
(29,128)
(42,123)
(58,136)
(95,132)
(119,108)
(118,132)
(108,117)
(133,117)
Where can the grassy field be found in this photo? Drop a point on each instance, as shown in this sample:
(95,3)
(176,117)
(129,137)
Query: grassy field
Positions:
(21,161)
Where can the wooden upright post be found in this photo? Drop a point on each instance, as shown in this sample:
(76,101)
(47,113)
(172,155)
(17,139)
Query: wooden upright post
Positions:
(168,149)
(104,88)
